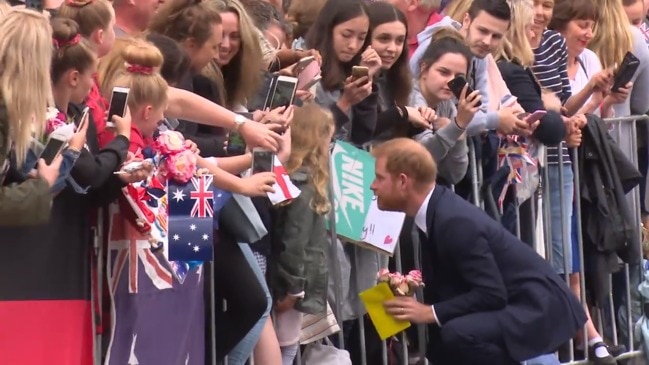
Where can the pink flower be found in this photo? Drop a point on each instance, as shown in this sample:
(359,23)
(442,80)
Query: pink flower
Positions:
(415,276)
(170,142)
(181,166)
(395,279)
(383,276)
(402,288)
(55,119)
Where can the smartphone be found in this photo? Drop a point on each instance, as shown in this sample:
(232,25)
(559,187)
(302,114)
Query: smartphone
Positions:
(171,123)
(117,106)
(305,79)
(625,73)
(262,160)
(457,84)
(303,63)
(284,92)
(236,144)
(359,72)
(35,5)
(84,119)
(533,117)
(51,150)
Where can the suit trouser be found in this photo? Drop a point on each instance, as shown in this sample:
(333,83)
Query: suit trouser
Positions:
(474,339)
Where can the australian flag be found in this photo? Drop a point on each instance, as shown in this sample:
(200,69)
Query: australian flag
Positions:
(191,223)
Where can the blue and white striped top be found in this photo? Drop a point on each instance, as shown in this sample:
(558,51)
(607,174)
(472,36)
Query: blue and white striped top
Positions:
(550,69)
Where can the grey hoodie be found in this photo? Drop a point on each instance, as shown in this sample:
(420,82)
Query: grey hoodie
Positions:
(451,154)
(482,120)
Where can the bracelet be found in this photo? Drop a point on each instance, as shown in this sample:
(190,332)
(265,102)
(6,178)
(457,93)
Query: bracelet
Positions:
(73,149)
(457,125)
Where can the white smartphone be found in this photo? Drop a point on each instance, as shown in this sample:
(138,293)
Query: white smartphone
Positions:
(284,92)
(262,160)
(117,106)
(84,118)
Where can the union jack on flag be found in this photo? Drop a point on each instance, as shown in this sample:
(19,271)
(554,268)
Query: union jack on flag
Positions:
(203,195)
(191,224)
(130,252)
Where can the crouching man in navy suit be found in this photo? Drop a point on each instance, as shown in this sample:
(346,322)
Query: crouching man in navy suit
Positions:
(490,299)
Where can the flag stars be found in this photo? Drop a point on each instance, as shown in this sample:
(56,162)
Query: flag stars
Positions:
(189,243)
(196,248)
(205,237)
(192,227)
(178,195)
(176,237)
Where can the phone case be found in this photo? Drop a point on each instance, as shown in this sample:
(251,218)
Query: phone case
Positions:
(626,71)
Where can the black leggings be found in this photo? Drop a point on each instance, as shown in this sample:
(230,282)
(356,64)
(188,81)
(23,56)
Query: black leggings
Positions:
(236,283)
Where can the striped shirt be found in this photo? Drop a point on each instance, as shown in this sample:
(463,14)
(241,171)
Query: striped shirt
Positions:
(550,69)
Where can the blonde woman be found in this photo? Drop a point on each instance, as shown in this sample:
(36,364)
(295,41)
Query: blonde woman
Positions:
(613,37)
(22,115)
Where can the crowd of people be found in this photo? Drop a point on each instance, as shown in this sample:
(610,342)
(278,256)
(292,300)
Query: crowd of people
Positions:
(538,83)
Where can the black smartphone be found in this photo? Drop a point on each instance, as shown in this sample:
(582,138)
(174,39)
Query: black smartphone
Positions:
(117,106)
(262,160)
(35,5)
(52,149)
(625,73)
(236,144)
(457,84)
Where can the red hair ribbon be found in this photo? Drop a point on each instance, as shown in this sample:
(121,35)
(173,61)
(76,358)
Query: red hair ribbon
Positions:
(69,43)
(139,69)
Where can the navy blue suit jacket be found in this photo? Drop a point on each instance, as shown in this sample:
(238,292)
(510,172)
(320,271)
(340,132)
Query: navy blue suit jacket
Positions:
(472,264)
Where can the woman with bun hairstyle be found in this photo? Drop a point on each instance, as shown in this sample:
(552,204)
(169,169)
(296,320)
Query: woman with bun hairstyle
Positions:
(46,268)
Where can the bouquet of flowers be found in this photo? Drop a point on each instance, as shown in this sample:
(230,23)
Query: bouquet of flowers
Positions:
(401,285)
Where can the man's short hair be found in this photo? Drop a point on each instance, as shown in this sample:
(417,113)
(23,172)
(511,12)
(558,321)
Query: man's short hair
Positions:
(408,157)
(496,8)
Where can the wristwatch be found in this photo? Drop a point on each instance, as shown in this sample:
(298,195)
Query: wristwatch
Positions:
(239,120)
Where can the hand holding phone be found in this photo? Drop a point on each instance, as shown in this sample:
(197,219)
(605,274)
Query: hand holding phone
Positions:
(359,72)
(625,73)
(118,101)
(457,85)
(534,117)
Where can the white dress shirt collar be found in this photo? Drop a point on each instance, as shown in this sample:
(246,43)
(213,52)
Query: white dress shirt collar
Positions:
(420,218)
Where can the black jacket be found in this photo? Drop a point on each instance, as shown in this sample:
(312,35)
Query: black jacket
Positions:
(606,176)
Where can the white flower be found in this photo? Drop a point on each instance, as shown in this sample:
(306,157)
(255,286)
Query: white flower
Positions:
(51,113)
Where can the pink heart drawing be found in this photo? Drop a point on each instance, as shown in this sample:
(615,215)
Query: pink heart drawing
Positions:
(387,240)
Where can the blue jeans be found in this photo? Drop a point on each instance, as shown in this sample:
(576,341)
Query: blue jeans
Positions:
(242,351)
(561,210)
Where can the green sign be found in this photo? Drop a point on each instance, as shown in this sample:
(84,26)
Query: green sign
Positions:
(352,172)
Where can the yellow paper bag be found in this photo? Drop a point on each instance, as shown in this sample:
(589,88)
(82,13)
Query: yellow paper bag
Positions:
(385,324)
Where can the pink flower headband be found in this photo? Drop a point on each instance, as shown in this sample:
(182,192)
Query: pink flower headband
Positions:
(69,43)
